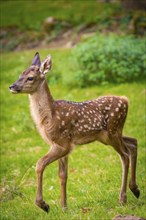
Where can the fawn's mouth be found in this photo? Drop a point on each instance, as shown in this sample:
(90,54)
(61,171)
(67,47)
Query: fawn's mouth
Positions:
(13,91)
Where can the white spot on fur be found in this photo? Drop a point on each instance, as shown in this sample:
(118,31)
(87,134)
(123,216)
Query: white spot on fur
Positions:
(112,114)
(107,108)
(77,124)
(106,116)
(95,119)
(63,123)
(80,128)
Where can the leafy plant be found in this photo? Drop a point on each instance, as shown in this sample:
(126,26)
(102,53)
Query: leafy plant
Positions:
(103,59)
(54,77)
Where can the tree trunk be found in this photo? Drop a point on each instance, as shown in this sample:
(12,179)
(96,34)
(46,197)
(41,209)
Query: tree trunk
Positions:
(134,4)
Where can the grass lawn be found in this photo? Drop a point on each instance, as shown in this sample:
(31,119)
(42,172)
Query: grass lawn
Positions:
(13,13)
(94,169)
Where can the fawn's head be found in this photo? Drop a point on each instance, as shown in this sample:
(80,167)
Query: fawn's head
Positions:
(31,78)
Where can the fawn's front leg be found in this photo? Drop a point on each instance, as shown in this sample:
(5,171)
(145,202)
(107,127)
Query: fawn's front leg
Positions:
(62,172)
(55,153)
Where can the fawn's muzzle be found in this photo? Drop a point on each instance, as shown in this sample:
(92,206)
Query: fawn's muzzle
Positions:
(14,89)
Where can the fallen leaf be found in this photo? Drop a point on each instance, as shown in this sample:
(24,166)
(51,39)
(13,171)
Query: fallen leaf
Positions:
(85,210)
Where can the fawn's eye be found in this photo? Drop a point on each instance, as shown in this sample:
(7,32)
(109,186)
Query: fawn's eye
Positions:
(30,78)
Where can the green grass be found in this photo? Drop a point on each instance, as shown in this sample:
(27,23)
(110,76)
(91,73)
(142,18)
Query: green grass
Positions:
(31,14)
(94,169)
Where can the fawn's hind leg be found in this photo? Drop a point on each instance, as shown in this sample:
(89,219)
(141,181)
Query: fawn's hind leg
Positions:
(119,146)
(131,144)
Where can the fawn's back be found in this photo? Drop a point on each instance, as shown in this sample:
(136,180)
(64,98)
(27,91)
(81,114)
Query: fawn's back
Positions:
(83,122)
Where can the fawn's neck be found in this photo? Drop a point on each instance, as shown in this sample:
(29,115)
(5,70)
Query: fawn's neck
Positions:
(41,104)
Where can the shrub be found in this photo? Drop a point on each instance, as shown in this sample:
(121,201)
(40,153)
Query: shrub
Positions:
(104,59)
(54,77)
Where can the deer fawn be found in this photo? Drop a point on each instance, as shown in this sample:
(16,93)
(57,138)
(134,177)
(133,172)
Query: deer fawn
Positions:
(63,124)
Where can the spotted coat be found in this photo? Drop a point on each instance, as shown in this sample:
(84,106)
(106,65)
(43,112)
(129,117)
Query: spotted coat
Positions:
(80,120)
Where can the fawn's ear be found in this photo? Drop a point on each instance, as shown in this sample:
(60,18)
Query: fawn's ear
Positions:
(36,60)
(46,65)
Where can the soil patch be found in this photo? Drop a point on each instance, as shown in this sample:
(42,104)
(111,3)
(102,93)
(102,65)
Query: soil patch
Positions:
(127,217)
(13,39)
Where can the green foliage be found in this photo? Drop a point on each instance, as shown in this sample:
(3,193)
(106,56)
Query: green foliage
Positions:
(31,14)
(104,59)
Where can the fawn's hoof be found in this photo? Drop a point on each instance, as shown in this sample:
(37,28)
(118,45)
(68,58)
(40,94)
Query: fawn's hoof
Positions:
(135,191)
(43,205)
(123,200)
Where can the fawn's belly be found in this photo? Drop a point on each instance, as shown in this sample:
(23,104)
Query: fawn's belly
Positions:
(101,136)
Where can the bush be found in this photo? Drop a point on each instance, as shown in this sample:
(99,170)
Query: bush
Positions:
(103,59)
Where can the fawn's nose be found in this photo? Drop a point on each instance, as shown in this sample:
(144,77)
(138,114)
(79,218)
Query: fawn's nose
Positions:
(14,89)
(10,87)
